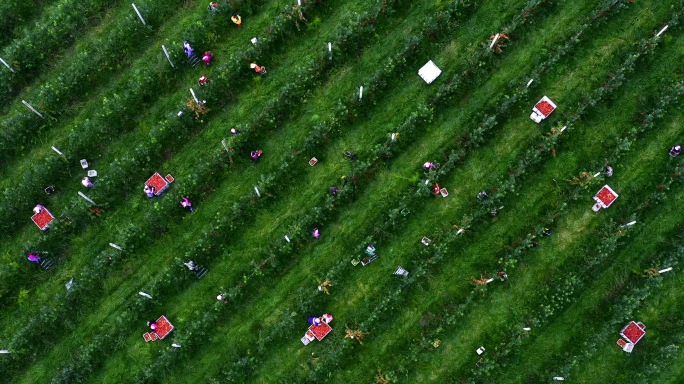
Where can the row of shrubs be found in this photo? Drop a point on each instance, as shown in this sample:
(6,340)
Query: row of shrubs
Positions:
(239,210)
(214,161)
(131,237)
(525,243)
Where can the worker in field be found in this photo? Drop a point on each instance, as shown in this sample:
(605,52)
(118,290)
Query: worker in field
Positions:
(676,150)
(203,80)
(87,182)
(185,203)
(207,58)
(188,49)
(236,19)
(149,191)
(255,155)
(258,69)
(314,320)
(33,258)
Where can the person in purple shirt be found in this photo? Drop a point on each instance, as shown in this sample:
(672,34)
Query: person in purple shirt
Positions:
(33,258)
(315,320)
(185,203)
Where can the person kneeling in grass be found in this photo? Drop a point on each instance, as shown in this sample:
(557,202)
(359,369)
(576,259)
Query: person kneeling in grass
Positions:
(185,203)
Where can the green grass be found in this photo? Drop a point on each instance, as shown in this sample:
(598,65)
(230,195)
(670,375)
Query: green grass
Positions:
(274,305)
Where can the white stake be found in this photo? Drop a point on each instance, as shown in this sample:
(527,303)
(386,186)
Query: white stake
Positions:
(29,106)
(225,146)
(564,127)
(662,30)
(559,378)
(6,65)
(287,238)
(141,293)
(138,12)
(665,270)
(86,197)
(192,92)
(360,93)
(257,191)
(529,82)
(57,150)
(176,345)
(299,2)
(4,351)
(330,47)
(167,56)
(596,174)
(115,246)
(527,329)
(496,37)
(629,224)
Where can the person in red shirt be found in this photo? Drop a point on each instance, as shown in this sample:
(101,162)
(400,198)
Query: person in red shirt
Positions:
(258,69)
(203,80)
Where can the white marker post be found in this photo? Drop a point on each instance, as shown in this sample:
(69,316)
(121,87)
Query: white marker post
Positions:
(287,238)
(176,345)
(564,128)
(360,93)
(629,224)
(57,151)
(4,351)
(257,191)
(529,82)
(192,92)
(597,174)
(29,106)
(167,56)
(330,50)
(115,246)
(496,37)
(141,293)
(86,198)
(6,65)
(138,12)
(665,270)
(225,146)
(662,30)
(527,329)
